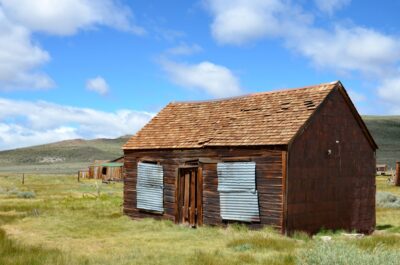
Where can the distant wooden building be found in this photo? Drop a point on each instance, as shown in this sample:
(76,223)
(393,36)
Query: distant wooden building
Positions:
(112,171)
(95,169)
(381,169)
(299,159)
(83,174)
(107,170)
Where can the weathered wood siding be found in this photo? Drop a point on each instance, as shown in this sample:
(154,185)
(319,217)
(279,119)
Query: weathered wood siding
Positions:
(334,191)
(269,180)
(113,173)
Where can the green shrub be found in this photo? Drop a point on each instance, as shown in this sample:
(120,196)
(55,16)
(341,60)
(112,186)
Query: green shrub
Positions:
(387,200)
(344,254)
(26,194)
(14,192)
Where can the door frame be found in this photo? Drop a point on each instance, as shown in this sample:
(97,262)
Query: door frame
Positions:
(198,212)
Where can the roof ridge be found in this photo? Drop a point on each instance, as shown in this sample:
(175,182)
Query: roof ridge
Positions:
(281,90)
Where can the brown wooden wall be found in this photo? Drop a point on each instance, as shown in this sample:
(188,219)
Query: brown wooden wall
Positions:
(334,191)
(113,173)
(269,180)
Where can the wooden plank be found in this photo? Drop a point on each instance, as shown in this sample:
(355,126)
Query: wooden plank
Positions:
(189,166)
(186,200)
(192,203)
(199,196)
(182,196)
(284,190)
(177,196)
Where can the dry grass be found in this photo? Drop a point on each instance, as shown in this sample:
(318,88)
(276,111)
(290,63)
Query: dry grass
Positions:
(67,223)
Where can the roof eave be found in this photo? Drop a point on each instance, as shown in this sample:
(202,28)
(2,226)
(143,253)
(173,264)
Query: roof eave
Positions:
(281,145)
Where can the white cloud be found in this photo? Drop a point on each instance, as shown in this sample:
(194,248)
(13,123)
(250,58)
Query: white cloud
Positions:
(14,136)
(215,80)
(24,123)
(241,21)
(98,85)
(351,48)
(344,49)
(390,91)
(347,49)
(330,6)
(21,58)
(66,17)
(184,49)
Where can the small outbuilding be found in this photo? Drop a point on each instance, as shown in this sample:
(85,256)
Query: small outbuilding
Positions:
(112,171)
(299,159)
(95,169)
(107,170)
(381,169)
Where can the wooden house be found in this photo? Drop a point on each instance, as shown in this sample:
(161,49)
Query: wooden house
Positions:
(107,169)
(113,170)
(299,159)
(95,169)
(381,169)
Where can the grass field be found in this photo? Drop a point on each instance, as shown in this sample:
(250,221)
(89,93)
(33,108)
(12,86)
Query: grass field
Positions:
(56,220)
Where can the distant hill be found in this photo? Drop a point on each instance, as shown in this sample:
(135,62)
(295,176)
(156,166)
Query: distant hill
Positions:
(386,132)
(72,155)
(61,157)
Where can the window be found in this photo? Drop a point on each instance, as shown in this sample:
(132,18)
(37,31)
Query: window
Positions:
(149,187)
(237,191)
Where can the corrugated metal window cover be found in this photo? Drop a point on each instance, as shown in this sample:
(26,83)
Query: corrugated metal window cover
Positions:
(236,176)
(237,190)
(149,187)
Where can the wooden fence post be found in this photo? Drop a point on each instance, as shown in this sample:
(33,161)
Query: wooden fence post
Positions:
(397,178)
(78,176)
(23,178)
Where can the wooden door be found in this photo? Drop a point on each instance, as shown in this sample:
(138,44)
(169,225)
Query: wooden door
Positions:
(189,187)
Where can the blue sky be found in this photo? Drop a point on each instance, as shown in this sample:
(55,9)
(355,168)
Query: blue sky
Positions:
(88,69)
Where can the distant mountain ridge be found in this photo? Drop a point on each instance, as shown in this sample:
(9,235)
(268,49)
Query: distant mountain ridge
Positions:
(61,157)
(70,155)
(386,132)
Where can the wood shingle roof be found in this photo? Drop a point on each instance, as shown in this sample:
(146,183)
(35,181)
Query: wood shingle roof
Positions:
(269,118)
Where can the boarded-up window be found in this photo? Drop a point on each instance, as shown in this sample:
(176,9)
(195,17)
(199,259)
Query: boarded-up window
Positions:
(237,191)
(149,187)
